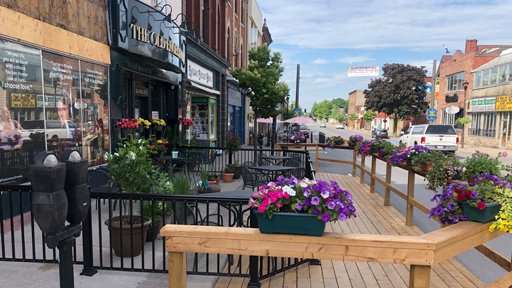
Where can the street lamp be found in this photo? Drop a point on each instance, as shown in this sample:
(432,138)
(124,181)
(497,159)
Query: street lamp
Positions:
(465,85)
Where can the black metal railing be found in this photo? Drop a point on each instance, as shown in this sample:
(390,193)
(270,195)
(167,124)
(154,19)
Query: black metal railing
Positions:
(22,240)
(215,159)
(482,132)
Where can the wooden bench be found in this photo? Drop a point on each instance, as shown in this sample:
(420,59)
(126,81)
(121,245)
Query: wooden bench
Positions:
(420,252)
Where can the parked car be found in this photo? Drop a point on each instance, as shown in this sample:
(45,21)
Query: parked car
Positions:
(380,133)
(55,130)
(340,126)
(440,137)
(323,125)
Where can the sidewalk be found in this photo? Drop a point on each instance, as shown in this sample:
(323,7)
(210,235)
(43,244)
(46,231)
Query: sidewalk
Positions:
(46,275)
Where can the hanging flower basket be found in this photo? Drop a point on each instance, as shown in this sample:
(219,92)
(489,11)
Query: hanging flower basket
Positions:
(481,215)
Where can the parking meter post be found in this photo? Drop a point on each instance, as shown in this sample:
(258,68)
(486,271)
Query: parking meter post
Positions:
(66,263)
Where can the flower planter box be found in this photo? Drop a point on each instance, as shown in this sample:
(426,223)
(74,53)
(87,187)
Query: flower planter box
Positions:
(290,223)
(482,216)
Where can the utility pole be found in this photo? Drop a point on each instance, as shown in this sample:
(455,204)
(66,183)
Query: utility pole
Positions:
(433,92)
(297,87)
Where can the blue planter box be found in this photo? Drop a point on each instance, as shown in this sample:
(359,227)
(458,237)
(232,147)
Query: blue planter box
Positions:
(290,223)
(482,216)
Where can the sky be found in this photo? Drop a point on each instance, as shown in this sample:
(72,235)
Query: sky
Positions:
(327,37)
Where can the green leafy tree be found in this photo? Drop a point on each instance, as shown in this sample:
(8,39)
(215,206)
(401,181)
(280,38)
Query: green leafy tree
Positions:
(322,110)
(369,115)
(338,115)
(262,81)
(398,92)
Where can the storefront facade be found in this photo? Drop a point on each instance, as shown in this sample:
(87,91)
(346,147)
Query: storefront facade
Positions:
(205,93)
(490,107)
(148,50)
(52,96)
(236,111)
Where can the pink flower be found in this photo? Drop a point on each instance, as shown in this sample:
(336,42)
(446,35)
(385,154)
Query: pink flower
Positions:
(504,154)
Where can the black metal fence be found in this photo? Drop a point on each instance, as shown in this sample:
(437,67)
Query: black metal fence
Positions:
(22,240)
(215,159)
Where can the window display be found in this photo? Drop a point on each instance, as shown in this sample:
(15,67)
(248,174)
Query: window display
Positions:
(203,113)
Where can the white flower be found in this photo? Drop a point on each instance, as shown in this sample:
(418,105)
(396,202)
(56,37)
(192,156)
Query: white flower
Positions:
(303,184)
(289,190)
(116,154)
(108,156)
(132,155)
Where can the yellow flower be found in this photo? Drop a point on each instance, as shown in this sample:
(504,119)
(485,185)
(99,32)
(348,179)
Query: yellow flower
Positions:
(503,216)
(158,122)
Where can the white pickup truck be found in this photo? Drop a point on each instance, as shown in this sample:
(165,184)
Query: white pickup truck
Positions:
(440,137)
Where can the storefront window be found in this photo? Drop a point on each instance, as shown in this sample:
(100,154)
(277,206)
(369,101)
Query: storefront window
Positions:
(204,118)
(44,105)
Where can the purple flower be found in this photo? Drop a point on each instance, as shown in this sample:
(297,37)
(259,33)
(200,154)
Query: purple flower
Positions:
(315,201)
(298,206)
(326,217)
(331,205)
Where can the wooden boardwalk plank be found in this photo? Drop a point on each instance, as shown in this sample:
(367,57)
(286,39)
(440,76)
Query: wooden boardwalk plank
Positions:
(374,218)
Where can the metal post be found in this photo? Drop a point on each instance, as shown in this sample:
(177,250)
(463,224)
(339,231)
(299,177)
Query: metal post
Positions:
(66,263)
(88,269)
(465,84)
(316,158)
(297,84)
(254,282)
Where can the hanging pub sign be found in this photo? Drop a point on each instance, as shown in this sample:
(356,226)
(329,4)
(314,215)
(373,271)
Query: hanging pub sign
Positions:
(142,30)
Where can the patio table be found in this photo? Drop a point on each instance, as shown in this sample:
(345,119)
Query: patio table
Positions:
(273,170)
(277,160)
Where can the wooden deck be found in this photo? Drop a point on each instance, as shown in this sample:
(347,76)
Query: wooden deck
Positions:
(374,218)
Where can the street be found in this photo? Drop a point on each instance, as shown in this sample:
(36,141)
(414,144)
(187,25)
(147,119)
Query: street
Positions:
(485,269)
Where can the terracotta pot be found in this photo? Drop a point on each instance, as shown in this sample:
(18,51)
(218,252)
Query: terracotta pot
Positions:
(425,167)
(227,177)
(137,230)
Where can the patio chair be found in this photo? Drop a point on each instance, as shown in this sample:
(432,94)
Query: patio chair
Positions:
(292,163)
(99,181)
(250,177)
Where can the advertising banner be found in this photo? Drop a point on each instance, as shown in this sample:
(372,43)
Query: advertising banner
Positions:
(504,103)
(364,71)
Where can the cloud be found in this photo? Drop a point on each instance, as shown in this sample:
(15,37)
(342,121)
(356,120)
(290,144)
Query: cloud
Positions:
(319,61)
(405,24)
(354,59)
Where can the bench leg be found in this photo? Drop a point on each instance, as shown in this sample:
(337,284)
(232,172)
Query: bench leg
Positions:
(419,276)
(177,270)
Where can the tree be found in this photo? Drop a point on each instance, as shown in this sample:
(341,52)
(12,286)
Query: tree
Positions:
(398,92)
(338,114)
(262,81)
(322,110)
(369,115)
(353,117)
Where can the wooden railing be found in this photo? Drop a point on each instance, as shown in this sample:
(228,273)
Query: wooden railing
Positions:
(420,252)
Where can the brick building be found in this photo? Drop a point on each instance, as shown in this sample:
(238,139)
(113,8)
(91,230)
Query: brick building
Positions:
(356,105)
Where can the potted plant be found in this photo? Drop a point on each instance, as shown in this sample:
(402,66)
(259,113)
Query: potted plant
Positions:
(425,161)
(158,211)
(406,155)
(228,173)
(444,169)
(182,186)
(232,145)
(481,163)
(300,206)
(354,139)
(485,199)
(132,169)
(213,179)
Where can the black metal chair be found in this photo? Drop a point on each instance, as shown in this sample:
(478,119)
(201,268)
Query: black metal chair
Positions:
(99,181)
(250,176)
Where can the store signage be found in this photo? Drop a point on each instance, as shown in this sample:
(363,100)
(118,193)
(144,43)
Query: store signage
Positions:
(19,100)
(199,74)
(143,30)
(482,104)
(144,35)
(234,97)
(504,103)
(452,110)
(141,92)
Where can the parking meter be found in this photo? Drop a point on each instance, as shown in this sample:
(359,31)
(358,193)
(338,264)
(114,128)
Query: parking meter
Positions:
(77,192)
(49,202)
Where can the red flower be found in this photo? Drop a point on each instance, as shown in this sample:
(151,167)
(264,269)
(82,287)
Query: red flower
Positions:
(461,197)
(481,205)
